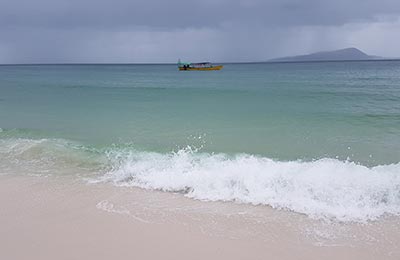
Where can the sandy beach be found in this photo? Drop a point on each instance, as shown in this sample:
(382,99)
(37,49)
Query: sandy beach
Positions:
(65,218)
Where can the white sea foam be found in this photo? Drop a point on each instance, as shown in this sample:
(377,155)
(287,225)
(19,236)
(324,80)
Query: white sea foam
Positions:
(107,206)
(326,188)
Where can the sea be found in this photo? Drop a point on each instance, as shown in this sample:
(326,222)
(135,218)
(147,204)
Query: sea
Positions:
(320,139)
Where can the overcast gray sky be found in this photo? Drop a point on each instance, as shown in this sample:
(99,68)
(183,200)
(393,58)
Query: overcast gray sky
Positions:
(57,31)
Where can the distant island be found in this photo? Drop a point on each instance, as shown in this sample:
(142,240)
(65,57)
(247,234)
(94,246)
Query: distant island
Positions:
(336,55)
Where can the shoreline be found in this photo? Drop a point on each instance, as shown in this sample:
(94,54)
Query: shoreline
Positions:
(64,218)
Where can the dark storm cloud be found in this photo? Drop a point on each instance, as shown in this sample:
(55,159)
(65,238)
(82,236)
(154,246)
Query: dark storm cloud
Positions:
(153,30)
(177,13)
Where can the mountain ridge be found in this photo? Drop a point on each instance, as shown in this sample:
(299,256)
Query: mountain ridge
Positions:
(335,55)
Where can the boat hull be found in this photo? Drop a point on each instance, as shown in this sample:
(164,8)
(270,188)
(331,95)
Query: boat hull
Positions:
(207,68)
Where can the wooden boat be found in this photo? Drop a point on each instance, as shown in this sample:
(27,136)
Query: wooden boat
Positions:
(198,66)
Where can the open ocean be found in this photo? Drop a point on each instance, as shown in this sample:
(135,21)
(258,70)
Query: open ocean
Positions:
(319,138)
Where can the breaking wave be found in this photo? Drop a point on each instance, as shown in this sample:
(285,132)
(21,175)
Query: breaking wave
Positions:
(325,188)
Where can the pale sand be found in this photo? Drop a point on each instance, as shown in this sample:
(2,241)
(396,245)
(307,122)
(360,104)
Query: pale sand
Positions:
(62,218)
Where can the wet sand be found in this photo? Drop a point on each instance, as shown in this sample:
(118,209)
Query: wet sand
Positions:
(65,218)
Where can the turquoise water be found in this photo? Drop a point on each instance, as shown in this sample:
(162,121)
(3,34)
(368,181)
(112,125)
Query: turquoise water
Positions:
(319,138)
(285,111)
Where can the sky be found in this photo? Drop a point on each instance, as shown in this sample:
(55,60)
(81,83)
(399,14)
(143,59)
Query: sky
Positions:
(158,31)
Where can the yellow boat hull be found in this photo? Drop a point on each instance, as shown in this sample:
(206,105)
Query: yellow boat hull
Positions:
(207,68)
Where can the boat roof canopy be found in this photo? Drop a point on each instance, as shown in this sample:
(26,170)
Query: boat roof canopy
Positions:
(197,63)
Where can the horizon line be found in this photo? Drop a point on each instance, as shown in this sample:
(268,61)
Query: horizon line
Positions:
(170,63)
